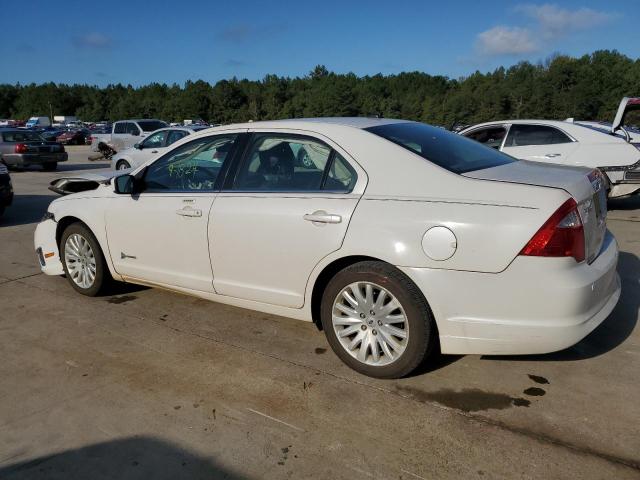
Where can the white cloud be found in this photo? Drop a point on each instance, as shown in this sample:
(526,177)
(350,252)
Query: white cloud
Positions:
(92,40)
(554,21)
(503,40)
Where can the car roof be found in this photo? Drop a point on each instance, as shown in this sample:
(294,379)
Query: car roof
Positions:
(313,124)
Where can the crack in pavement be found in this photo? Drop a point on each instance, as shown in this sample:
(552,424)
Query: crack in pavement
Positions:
(540,437)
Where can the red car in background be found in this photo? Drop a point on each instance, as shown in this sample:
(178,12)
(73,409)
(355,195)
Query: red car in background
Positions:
(73,137)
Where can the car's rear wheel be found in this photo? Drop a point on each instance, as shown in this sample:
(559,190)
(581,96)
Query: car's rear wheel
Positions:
(377,320)
(49,166)
(83,260)
(122,165)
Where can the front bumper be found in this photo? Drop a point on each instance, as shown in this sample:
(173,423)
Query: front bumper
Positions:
(44,241)
(537,305)
(26,159)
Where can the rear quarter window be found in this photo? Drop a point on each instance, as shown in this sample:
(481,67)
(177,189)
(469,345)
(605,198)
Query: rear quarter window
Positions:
(448,150)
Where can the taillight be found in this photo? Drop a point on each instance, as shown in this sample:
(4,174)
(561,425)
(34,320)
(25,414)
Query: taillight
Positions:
(21,148)
(560,236)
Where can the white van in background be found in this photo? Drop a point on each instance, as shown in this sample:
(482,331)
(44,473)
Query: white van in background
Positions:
(38,122)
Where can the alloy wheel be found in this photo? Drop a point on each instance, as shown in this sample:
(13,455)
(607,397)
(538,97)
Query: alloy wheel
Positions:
(370,323)
(80,260)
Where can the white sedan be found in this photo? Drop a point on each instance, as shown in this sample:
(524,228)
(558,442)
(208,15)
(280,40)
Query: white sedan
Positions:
(397,238)
(151,147)
(612,149)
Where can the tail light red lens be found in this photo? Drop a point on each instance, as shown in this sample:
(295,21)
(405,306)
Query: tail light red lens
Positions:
(560,236)
(21,148)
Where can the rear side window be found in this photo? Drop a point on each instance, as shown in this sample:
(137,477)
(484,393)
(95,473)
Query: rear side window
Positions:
(25,136)
(293,163)
(151,125)
(120,128)
(448,150)
(523,135)
(489,136)
(175,135)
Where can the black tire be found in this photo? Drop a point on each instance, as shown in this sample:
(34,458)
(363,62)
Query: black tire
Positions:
(422,336)
(102,280)
(122,164)
(50,166)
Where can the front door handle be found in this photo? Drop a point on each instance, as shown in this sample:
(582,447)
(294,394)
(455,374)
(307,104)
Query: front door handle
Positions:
(189,212)
(320,216)
(154,151)
(552,155)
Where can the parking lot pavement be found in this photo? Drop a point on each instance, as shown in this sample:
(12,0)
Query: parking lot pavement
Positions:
(152,384)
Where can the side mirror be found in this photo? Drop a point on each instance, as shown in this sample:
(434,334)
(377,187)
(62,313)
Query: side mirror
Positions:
(124,184)
(138,146)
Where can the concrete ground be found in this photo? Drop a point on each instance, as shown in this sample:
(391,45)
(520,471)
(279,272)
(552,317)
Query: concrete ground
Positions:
(152,384)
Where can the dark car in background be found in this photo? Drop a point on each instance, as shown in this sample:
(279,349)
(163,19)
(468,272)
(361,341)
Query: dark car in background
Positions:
(50,134)
(6,189)
(22,148)
(73,137)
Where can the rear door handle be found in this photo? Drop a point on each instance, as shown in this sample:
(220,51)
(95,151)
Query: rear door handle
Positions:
(189,212)
(320,216)
(154,151)
(552,155)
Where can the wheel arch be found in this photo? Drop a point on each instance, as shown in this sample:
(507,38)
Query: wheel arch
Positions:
(70,219)
(325,276)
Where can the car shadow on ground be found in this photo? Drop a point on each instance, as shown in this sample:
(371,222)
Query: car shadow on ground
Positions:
(26,209)
(127,458)
(627,203)
(609,334)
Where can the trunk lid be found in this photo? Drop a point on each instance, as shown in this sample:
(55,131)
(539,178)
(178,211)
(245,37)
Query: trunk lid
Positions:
(585,185)
(627,104)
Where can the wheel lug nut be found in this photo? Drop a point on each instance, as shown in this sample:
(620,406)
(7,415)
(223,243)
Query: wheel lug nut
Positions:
(371,312)
(362,315)
(363,327)
(374,331)
(379,323)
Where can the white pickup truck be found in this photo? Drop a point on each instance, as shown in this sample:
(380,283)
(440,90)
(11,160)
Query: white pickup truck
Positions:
(124,134)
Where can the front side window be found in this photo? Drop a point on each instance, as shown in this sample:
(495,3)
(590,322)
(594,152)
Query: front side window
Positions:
(448,150)
(175,135)
(489,136)
(524,135)
(192,167)
(292,163)
(155,140)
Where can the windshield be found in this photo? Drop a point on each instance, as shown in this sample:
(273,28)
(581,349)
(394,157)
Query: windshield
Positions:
(447,150)
(21,136)
(151,125)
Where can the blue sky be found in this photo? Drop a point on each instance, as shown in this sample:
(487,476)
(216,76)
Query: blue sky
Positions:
(173,41)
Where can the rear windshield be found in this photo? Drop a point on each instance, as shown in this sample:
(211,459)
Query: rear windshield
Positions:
(24,136)
(151,125)
(448,150)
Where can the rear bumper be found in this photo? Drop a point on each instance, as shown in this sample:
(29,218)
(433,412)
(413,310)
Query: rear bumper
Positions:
(46,248)
(26,159)
(537,305)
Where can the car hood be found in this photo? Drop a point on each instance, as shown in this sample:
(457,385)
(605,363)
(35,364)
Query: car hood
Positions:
(83,182)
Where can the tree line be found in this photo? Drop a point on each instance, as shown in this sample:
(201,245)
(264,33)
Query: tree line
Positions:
(588,88)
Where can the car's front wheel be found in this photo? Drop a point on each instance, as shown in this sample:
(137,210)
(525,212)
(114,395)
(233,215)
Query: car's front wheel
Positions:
(377,320)
(122,165)
(83,260)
